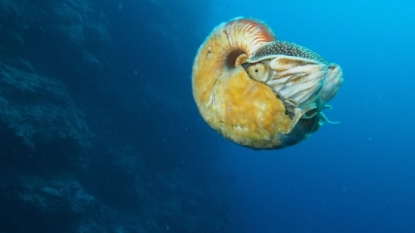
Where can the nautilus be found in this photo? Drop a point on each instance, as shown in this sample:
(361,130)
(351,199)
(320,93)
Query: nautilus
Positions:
(258,91)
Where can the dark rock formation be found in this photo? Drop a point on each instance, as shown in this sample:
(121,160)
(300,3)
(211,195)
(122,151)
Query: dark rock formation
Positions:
(38,108)
(98,130)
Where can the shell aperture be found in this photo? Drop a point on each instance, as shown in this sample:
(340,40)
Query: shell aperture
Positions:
(259,92)
(297,75)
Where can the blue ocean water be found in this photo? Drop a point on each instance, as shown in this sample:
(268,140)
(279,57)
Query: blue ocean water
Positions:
(357,176)
(99,131)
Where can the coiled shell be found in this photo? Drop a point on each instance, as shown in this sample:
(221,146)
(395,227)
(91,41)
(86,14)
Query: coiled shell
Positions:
(230,84)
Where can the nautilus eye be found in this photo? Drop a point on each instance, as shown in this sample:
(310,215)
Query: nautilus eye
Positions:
(260,92)
(258,71)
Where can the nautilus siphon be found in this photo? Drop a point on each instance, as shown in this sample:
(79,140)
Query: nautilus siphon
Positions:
(260,92)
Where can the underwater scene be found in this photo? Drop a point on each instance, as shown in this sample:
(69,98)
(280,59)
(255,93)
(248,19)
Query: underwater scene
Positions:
(150,116)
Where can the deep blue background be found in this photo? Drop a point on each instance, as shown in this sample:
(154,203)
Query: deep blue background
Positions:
(155,166)
(357,176)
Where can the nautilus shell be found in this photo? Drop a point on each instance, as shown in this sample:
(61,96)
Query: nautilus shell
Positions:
(260,92)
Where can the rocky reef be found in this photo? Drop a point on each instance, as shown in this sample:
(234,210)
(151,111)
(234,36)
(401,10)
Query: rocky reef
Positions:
(97,126)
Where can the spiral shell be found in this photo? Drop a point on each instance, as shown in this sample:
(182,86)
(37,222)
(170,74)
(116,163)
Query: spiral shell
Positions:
(229,84)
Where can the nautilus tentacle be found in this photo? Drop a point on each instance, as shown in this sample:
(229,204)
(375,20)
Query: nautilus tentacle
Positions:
(303,80)
(259,92)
